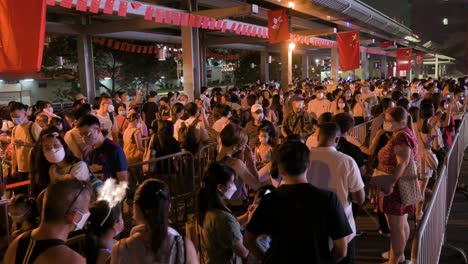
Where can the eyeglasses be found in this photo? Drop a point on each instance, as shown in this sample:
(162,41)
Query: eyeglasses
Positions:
(83,186)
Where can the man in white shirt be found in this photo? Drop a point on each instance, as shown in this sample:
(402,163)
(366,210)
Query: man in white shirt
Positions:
(334,171)
(201,133)
(105,115)
(320,104)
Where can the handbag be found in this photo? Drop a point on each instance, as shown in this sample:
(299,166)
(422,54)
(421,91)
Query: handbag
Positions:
(408,186)
(381,179)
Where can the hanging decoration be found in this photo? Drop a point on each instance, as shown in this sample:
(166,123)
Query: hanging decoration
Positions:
(419,57)
(404,59)
(142,49)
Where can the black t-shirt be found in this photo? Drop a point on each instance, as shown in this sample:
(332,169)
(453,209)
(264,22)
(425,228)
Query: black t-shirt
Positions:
(150,109)
(344,146)
(300,219)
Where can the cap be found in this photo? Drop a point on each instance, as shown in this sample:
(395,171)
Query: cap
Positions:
(80,97)
(296,98)
(256,107)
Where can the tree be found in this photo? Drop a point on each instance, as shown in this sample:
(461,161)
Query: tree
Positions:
(244,73)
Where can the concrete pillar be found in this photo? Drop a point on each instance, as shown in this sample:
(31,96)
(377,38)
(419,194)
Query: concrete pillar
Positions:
(86,63)
(335,64)
(264,66)
(305,66)
(191,62)
(384,67)
(286,65)
(364,66)
(436,74)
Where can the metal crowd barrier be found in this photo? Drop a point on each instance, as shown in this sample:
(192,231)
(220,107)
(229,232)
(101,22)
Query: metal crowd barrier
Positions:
(430,237)
(361,131)
(206,155)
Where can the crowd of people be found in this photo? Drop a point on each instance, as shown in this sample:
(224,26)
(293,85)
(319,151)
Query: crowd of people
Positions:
(285,187)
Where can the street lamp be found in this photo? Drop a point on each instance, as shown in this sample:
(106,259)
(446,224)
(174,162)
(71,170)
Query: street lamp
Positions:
(292,46)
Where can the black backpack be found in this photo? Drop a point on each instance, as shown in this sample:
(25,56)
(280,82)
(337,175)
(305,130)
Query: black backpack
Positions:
(188,138)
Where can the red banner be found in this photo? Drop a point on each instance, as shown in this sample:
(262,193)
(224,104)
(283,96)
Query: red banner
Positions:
(278,26)
(419,57)
(22,36)
(386,44)
(404,59)
(94,8)
(348,50)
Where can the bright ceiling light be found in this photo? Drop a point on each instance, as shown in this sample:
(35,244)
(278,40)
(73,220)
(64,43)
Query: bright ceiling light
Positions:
(445,21)
(291,4)
(292,46)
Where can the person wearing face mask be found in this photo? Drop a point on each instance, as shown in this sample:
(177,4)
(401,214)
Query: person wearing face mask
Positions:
(65,209)
(150,109)
(104,224)
(45,108)
(258,121)
(297,120)
(220,233)
(320,104)
(121,119)
(152,240)
(23,137)
(105,114)
(52,160)
(133,145)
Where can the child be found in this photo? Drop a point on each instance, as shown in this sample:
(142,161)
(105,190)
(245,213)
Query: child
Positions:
(264,150)
(24,215)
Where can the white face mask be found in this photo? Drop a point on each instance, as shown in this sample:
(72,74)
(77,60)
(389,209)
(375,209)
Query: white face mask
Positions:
(110,108)
(341,105)
(18,121)
(387,126)
(228,194)
(50,109)
(82,222)
(123,113)
(320,96)
(55,156)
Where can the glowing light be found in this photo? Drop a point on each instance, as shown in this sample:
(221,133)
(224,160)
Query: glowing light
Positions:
(292,46)
(112,193)
(348,24)
(107,78)
(28,80)
(291,4)
(445,21)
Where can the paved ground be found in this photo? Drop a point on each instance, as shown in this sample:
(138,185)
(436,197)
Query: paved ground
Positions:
(371,244)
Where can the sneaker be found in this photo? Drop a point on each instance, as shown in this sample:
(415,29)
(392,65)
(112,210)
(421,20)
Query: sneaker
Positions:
(387,235)
(359,233)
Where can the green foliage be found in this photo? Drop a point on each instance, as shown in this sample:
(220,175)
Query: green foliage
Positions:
(244,73)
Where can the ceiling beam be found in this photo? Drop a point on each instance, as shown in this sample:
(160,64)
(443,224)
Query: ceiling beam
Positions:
(122,25)
(212,41)
(236,11)
(316,32)
(367,41)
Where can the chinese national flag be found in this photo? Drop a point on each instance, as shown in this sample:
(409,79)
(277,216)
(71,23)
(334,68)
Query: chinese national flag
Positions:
(419,57)
(22,32)
(348,50)
(404,59)
(278,26)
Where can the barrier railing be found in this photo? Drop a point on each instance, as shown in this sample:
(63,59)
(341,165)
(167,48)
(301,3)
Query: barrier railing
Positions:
(206,155)
(361,131)
(430,237)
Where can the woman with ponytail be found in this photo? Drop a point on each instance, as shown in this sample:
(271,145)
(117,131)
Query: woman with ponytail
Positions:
(152,240)
(104,224)
(220,234)
(24,215)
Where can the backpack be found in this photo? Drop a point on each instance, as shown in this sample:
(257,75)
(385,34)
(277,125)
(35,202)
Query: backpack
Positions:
(188,138)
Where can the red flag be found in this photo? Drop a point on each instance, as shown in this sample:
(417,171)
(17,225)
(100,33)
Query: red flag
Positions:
(223,29)
(386,44)
(22,36)
(192,22)
(66,3)
(94,8)
(81,5)
(348,50)
(254,32)
(198,21)
(123,6)
(95,40)
(404,59)
(149,13)
(135,5)
(145,50)
(109,7)
(116,45)
(150,51)
(128,47)
(159,15)
(419,57)
(102,41)
(278,26)
(109,43)
(51,2)
(185,19)
(168,17)
(176,19)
